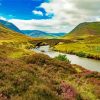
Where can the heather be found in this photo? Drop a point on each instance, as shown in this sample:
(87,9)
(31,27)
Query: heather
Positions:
(40,77)
(26,75)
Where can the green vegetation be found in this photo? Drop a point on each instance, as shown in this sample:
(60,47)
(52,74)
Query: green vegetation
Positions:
(40,77)
(86,41)
(13,44)
(84,30)
(81,48)
(25,75)
(62,58)
(89,47)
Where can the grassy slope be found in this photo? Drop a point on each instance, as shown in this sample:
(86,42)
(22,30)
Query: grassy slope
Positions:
(86,41)
(15,44)
(84,30)
(37,77)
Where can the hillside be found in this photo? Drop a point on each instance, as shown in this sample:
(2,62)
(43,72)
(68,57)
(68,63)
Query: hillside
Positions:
(13,44)
(10,26)
(36,33)
(8,34)
(85,29)
(26,75)
(39,77)
(41,34)
(60,34)
(86,41)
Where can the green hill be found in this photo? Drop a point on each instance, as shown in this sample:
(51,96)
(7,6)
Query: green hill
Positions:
(84,30)
(6,33)
(86,41)
(10,26)
(25,75)
(14,44)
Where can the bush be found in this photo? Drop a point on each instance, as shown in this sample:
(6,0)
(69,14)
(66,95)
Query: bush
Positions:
(39,59)
(81,54)
(62,58)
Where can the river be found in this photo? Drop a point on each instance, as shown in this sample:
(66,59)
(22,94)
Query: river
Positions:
(90,64)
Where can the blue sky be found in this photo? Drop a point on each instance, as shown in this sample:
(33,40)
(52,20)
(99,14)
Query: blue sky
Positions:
(49,15)
(22,9)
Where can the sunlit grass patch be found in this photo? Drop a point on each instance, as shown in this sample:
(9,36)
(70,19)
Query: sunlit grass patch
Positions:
(20,53)
(80,49)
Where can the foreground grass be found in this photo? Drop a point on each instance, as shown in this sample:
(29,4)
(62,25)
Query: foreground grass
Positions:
(25,75)
(38,77)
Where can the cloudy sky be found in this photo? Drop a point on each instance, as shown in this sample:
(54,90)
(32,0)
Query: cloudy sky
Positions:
(49,15)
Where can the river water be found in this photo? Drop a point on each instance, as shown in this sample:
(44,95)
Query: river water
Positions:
(90,64)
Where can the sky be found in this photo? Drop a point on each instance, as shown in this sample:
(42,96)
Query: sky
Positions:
(49,15)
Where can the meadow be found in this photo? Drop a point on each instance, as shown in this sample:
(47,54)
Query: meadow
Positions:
(89,48)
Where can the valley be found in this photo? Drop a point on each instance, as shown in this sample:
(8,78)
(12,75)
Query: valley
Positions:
(27,74)
(86,37)
(49,49)
(89,64)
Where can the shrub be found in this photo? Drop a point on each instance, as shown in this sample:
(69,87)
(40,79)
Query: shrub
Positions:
(67,91)
(62,58)
(93,75)
(39,59)
(81,54)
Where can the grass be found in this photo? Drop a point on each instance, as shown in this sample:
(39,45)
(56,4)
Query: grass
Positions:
(86,41)
(15,50)
(84,30)
(37,76)
(82,48)
(29,78)
(25,75)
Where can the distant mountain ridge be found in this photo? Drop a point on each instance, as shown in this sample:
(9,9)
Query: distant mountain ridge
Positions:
(41,34)
(85,29)
(10,26)
(32,33)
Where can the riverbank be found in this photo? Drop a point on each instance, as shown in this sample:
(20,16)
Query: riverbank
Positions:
(80,49)
(87,63)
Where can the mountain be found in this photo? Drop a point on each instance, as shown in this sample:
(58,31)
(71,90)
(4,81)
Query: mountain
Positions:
(35,33)
(57,34)
(8,34)
(85,29)
(10,26)
(41,34)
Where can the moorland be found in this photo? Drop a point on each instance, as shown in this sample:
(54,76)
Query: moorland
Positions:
(27,75)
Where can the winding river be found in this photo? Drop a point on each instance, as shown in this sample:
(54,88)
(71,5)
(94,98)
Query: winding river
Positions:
(90,64)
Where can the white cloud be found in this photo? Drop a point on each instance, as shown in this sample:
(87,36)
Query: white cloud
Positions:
(2,18)
(73,11)
(44,25)
(37,12)
(68,13)
(98,19)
